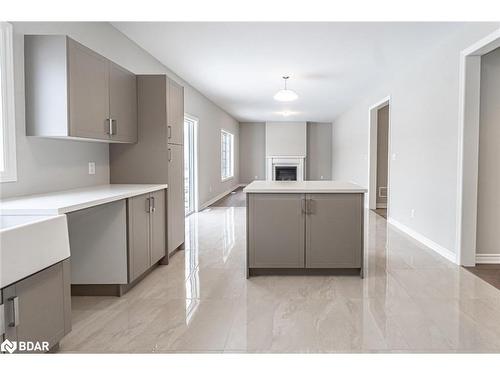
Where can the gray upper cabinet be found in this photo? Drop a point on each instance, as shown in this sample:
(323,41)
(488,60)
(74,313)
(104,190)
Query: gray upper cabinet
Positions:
(73,92)
(88,79)
(144,162)
(334,230)
(122,104)
(276,230)
(38,308)
(176,213)
(175,112)
(146,232)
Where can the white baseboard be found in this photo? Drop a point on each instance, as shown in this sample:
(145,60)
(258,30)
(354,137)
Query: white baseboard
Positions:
(444,252)
(488,258)
(220,196)
(381,205)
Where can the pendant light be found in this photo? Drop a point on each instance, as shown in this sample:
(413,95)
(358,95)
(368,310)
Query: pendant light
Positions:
(286,95)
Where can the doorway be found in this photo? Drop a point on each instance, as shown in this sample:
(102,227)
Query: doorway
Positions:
(190,164)
(379,127)
(469,153)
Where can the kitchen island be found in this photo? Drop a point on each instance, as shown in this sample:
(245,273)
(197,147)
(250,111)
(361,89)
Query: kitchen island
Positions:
(306,227)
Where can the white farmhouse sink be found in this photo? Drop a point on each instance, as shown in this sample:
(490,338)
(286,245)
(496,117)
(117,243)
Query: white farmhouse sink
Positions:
(29,244)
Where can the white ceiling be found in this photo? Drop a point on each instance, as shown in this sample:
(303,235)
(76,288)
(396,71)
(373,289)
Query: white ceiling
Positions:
(239,65)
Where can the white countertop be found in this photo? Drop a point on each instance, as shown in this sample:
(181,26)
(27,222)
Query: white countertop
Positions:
(303,187)
(61,202)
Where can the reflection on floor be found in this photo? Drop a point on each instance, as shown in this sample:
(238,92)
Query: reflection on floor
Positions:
(412,300)
(234,199)
(487,272)
(381,211)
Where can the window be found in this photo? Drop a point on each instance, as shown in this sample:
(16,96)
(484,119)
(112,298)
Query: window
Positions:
(7,124)
(227,155)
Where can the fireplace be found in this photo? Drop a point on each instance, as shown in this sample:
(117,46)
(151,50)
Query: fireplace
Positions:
(285,173)
(285,168)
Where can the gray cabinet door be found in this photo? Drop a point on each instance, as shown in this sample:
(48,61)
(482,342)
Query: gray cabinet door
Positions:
(123,104)
(39,313)
(138,235)
(88,82)
(334,230)
(158,226)
(175,193)
(175,112)
(276,225)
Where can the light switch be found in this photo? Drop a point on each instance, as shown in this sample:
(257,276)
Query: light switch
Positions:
(91,167)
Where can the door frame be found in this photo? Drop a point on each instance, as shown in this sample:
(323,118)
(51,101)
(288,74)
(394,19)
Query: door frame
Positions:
(372,155)
(468,146)
(195,122)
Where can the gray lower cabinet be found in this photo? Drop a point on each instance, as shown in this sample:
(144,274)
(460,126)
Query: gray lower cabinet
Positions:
(276,230)
(176,213)
(334,230)
(73,92)
(158,225)
(305,230)
(146,232)
(38,308)
(138,235)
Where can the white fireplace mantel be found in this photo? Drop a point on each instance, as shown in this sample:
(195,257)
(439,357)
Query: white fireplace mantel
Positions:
(273,161)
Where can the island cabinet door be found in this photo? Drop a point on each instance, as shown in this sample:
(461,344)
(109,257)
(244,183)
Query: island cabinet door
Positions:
(276,225)
(334,230)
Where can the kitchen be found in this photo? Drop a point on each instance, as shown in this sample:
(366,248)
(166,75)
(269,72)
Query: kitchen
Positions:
(217,187)
(105,239)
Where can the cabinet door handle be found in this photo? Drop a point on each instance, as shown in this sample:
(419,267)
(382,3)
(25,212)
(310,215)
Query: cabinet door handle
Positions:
(310,206)
(113,127)
(303,206)
(169,154)
(108,127)
(148,205)
(169,128)
(15,311)
(153,208)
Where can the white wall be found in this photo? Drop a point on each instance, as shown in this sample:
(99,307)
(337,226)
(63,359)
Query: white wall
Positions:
(424,138)
(211,120)
(47,165)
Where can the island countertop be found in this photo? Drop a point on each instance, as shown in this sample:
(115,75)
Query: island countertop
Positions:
(303,187)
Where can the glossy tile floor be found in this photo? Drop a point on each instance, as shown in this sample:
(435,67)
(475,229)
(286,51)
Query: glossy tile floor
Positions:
(411,300)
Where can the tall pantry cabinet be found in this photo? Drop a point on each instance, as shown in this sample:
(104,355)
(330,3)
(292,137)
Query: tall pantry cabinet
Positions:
(158,155)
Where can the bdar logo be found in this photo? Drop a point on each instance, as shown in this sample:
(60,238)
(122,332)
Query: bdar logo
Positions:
(8,346)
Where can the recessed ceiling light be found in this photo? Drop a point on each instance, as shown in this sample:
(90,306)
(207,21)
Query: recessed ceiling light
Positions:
(286,95)
(287,113)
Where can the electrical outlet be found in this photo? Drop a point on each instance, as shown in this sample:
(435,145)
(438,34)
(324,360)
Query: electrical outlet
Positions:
(393,157)
(91,167)
(412,213)
(256,177)
(321,177)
